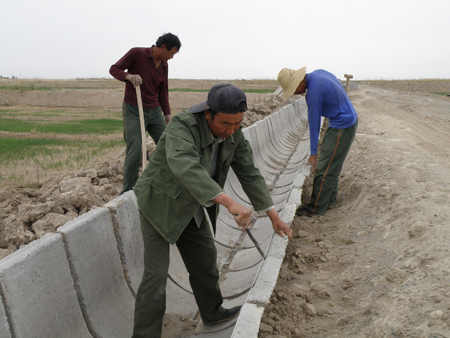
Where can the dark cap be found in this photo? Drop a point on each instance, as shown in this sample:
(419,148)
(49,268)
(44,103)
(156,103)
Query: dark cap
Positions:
(223,98)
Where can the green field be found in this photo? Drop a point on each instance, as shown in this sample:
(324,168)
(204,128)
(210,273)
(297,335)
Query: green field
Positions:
(49,153)
(78,127)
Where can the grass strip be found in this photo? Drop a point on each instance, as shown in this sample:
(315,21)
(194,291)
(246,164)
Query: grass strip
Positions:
(80,127)
(100,114)
(32,86)
(51,154)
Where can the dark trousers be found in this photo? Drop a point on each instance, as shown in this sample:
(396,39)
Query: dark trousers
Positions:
(197,248)
(154,125)
(335,147)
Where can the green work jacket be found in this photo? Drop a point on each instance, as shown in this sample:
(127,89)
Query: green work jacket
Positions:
(176,181)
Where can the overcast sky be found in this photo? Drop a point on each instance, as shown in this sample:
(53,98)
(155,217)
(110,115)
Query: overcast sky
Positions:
(230,39)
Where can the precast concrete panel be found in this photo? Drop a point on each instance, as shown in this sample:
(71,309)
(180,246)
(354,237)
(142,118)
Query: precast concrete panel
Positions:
(177,269)
(4,326)
(178,300)
(247,324)
(96,265)
(125,216)
(238,282)
(38,288)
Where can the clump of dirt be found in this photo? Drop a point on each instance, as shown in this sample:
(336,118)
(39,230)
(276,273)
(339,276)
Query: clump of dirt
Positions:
(27,214)
(261,108)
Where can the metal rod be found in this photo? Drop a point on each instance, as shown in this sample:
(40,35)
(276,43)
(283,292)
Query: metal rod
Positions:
(253,221)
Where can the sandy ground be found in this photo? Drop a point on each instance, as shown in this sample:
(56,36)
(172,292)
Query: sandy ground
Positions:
(378,264)
(375,266)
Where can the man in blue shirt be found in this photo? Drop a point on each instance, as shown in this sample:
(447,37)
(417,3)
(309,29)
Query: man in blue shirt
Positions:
(325,96)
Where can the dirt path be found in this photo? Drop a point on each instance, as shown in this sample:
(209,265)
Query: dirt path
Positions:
(378,264)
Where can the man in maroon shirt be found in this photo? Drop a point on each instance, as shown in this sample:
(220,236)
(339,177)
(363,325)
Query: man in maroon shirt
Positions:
(148,68)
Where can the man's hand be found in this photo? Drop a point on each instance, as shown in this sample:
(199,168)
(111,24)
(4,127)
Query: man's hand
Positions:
(278,225)
(312,160)
(134,79)
(241,214)
(167,118)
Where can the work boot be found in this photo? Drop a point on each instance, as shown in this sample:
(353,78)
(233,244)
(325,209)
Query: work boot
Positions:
(229,314)
(302,211)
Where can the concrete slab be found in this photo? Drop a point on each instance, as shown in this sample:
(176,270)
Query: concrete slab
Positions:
(246,258)
(97,271)
(125,217)
(177,269)
(223,331)
(272,161)
(236,283)
(262,136)
(267,277)
(4,326)
(247,325)
(38,288)
(178,300)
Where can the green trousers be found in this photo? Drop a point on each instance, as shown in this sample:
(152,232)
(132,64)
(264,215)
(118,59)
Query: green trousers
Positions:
(154,125)
(335,147)
(199,254)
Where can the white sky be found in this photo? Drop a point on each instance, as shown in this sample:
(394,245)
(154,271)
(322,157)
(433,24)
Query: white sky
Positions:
(229,39)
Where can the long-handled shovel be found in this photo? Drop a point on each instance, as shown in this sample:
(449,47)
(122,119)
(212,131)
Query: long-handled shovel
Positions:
(141,118)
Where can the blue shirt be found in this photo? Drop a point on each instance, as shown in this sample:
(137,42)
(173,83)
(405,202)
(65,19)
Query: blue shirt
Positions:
(325,96)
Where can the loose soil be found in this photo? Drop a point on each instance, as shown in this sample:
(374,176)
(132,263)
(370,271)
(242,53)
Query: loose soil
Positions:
(378,264)
(374,266)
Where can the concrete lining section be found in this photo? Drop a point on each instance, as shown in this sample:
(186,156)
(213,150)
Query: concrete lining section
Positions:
(97,270)
(4,326)
(178,300)
(248,322)
(263,137)
(37,286)
(177,270)
(259,296)
(266,277)
(125,217)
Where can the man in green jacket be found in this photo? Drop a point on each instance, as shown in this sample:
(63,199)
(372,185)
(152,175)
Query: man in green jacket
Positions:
(186,172)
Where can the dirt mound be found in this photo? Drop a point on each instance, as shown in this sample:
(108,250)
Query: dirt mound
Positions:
(28,214)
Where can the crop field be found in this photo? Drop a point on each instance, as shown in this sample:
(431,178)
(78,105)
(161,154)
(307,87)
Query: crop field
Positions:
(34,143)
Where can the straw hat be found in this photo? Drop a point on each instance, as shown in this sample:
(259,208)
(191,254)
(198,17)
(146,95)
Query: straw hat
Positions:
(289,80)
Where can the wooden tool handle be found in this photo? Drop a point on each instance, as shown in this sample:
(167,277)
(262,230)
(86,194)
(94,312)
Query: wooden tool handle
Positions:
(141,118)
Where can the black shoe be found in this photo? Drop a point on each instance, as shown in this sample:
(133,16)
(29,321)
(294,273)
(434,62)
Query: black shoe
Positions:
(229,314)
(302,211)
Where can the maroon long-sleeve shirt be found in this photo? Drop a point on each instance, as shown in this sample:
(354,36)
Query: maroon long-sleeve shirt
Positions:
(154,87)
